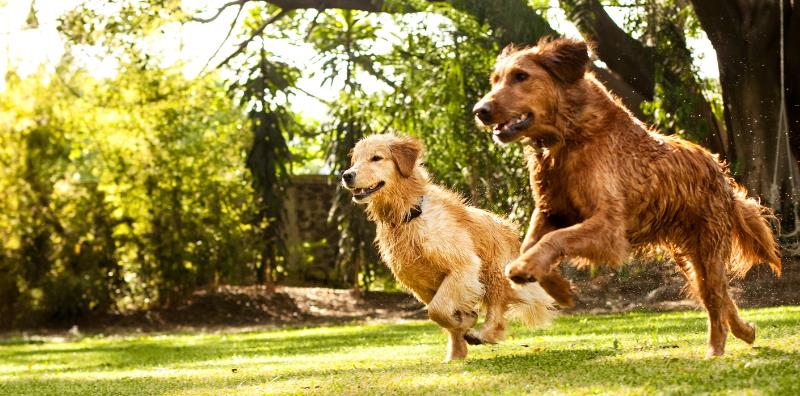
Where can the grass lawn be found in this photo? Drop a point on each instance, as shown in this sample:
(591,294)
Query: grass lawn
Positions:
(638,353)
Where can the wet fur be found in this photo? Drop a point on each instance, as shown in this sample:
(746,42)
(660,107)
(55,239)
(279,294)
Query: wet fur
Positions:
(605,184)
(451,256)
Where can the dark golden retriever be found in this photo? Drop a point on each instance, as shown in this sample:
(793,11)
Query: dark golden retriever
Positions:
(604,184)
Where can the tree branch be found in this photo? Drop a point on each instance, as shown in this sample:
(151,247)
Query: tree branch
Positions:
(227,36)
(635,64)
(361,5)
(309,94)
(256,33)
(512,21)
(220,10)
(370,68)
(631,97)
(622,53)
(313,25)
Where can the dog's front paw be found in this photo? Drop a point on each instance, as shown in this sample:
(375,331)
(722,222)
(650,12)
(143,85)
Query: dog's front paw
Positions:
(473,338)
(518,274)
(553,283)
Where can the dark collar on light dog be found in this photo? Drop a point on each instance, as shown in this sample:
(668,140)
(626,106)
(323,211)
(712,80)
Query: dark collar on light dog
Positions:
(415,211)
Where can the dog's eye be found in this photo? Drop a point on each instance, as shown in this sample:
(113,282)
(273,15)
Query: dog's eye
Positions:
(376,158)
(520,76)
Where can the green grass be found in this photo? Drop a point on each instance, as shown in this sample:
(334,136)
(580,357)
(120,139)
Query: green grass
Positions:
(638,353)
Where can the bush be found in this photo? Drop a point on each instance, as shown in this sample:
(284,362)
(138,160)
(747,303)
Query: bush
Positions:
(119,193)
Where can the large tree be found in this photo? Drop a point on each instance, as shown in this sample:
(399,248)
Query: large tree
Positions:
(665,63)
(746,37)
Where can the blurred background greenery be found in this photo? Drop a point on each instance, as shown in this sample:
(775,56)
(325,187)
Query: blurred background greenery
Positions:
(152,148)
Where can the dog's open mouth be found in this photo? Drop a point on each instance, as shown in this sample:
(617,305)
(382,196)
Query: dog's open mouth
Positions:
(509,130)
(361,193)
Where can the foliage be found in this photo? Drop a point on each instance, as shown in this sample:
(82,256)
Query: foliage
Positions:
(634,353)
(432,76)
(269,158)
(118,192)
(674,109)
(344,39)
(118,26)
(441,73)
(133,190)
(434,70)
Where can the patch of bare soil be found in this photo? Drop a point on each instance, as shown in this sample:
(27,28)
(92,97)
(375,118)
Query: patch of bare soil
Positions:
(652,286)
(661,287)
(258,307)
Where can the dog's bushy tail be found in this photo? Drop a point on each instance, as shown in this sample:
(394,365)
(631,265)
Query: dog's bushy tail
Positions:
(536,307)
(752,236)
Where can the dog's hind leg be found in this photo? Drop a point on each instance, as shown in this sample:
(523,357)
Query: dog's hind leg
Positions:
(711,282)
(741,329)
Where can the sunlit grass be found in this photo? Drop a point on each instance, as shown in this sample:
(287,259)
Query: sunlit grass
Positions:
(638,353)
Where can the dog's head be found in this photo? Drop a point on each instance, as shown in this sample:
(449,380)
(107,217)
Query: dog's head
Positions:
(526,87)
(378,163)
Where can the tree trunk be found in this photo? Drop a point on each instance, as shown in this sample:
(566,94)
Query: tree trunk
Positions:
(632,98)
(636,64)
(745,36)
(623,54)
(792,72)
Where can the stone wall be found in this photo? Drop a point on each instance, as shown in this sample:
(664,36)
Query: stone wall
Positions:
(311,239)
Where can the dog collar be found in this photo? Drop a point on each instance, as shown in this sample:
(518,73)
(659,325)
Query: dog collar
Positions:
(415,211)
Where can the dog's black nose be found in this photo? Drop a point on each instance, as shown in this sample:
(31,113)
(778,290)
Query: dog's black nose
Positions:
(483,110)
(348,177)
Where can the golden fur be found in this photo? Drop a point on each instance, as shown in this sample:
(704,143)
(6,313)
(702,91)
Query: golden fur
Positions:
(452,255)
(604,184)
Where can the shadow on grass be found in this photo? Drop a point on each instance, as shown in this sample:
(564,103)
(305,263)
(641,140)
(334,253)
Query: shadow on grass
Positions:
(132,365)
(300,380)
(166,352)
(150,352)
(772,371)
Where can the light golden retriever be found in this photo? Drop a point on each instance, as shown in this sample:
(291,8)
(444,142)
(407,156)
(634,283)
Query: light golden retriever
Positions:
(449,254)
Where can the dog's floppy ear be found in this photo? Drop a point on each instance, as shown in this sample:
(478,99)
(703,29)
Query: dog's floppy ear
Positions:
(566,59)
(405,152)
(508,51)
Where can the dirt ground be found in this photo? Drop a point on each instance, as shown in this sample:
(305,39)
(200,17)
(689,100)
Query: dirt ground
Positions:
(653,287)
(661,287)
(245,307)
